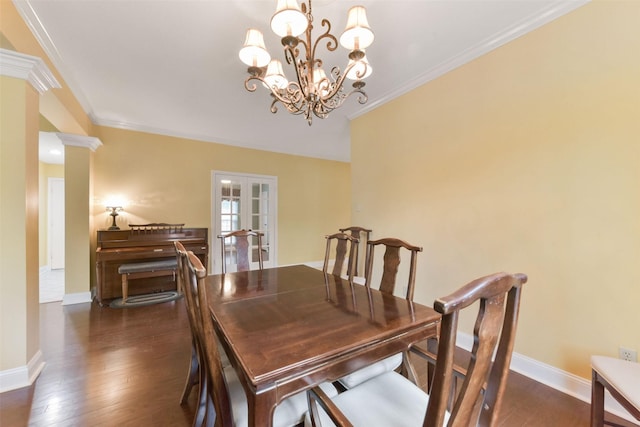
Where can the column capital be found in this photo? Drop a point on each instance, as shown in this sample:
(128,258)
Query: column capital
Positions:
(90,142)
(27,67)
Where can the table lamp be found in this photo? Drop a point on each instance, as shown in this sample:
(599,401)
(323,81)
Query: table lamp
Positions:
(114,213)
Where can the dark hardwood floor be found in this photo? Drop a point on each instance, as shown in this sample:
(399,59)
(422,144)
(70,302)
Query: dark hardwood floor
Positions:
(126,367)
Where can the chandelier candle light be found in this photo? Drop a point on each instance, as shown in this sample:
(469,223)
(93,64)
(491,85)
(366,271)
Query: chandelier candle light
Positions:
(312,92)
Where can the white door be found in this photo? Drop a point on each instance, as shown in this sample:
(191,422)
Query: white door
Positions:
(247,202)
(56,223)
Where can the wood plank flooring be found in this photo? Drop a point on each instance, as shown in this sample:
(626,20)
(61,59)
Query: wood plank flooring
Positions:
(126,367)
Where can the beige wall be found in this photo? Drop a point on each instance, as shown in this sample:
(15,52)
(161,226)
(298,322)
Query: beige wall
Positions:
(525,160)
(167,179)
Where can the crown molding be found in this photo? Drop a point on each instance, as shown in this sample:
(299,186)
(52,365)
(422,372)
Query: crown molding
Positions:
(90,142)
(536,20)
(27,67)
(317,154)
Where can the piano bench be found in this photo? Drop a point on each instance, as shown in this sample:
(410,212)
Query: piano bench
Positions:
(140,270)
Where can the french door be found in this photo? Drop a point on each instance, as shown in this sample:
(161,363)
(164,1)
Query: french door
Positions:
(247,202)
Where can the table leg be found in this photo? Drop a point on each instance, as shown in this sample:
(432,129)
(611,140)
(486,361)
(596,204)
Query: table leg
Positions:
(261,407)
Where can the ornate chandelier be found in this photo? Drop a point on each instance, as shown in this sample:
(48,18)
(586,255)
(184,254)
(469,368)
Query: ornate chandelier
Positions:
(312,92)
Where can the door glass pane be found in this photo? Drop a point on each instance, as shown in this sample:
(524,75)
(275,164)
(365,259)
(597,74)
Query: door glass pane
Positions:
(230,208)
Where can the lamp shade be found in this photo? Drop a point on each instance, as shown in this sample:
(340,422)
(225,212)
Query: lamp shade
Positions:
(288,19)
(360,69)
(357,35)
(321,82)
(275,75)
(254,53)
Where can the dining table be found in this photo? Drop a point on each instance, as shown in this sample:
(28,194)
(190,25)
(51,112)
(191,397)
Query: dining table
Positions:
(287,329)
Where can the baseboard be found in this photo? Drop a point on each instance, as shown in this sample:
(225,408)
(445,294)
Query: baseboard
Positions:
(316,264)
(24,376)
(76,298)
(553,377)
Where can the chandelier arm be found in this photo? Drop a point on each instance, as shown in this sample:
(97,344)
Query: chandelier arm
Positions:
(290,55)
(362,97)
(332,42)
(274,107)
(251,86)
(359,74)
(291,95)
(336,87)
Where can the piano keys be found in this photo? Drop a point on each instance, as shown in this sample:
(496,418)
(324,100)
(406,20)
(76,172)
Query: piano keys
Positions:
(149,242)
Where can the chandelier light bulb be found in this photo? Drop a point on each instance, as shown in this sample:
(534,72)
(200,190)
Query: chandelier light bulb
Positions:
(288,19)
(357,35)
(254,53)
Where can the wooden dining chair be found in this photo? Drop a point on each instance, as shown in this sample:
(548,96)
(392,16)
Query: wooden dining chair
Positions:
(393,400)
(391,263)
(195,375)
(622,379)
(346,249)
(363,235)
(226,400)
(192,374)
(241,244)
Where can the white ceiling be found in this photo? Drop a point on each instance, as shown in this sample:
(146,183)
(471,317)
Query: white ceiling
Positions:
(171,67)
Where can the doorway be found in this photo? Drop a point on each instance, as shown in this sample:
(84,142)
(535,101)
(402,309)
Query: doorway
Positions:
(247,202)
(52,278)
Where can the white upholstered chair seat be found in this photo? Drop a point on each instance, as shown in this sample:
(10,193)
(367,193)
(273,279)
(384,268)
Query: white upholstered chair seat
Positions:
(622,375)
(387,400)
(364,374)
(289,412)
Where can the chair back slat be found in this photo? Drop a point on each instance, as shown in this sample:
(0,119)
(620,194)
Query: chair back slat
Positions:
(497,379)
(363,235)
(499,299)
(346,249)
(182,275)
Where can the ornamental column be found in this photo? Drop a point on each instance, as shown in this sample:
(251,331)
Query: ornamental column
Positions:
(78,227)
(23,78)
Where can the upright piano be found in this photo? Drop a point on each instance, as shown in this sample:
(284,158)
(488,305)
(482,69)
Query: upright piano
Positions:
(149,242)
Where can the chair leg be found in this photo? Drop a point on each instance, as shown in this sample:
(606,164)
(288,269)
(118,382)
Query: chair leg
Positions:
(209,411)
(192,376)
(597,401)
(202,418)
(125,288)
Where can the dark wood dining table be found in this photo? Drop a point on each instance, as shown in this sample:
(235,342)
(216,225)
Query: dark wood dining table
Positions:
(287,329)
